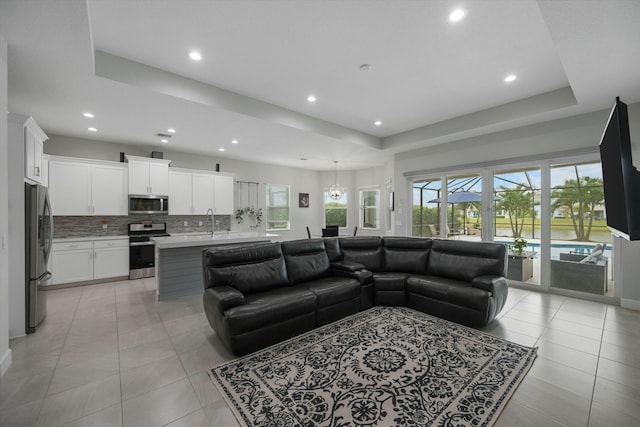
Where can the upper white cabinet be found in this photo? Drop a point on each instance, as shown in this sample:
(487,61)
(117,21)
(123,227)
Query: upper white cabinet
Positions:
(25,131)
(148,176)
(223,195)
(82,187)
(194,192)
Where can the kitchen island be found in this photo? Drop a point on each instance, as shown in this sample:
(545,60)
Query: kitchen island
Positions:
(178,259)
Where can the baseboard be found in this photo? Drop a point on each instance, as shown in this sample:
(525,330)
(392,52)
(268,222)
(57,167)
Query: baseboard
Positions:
(5,362)
(631,304)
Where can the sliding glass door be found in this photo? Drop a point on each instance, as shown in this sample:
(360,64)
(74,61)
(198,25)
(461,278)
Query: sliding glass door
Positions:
(581,254)
(517,220)
(549,213)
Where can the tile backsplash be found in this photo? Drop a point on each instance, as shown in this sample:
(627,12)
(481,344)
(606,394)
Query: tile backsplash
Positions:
(89,226)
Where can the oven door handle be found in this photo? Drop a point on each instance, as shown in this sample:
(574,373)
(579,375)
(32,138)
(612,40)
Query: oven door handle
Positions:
(141,243)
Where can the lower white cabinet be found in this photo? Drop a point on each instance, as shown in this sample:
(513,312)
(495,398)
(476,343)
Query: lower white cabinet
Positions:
(110,258)
(80,261)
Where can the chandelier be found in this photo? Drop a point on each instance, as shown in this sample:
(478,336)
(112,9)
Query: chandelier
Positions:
(336,191)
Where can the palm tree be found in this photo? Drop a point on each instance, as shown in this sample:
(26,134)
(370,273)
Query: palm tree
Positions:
(518,202)
(579,197)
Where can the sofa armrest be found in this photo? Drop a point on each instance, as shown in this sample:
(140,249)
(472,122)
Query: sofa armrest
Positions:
(363,276)
(224,297)
(498,287)
(488,282)
(348,266)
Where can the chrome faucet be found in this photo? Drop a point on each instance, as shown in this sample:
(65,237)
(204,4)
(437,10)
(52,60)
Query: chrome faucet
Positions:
(210,221)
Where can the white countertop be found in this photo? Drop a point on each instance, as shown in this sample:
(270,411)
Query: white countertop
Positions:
(87,238)
(205,239)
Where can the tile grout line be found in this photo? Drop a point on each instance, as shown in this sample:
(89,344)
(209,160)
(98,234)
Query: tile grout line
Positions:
(595,376)
(75,310)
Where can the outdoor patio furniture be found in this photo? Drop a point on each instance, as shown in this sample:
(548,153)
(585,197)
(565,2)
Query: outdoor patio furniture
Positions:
(569,273)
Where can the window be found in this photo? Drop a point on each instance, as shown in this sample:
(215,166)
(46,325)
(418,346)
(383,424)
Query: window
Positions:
(370,207)
(335,211)
(278,207)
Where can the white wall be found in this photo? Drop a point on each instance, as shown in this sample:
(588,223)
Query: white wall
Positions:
(5,352)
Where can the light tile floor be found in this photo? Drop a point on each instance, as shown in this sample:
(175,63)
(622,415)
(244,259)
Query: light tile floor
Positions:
(110,355)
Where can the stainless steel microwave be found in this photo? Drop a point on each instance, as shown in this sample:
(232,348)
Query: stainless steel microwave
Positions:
(148,204)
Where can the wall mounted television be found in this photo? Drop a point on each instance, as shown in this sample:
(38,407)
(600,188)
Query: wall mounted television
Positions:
(621,179)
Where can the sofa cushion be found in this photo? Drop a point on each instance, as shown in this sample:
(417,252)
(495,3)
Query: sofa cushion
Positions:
(389,281)
(332,290)
(332,246)
(364,250)
(266,308)
(249,269)
(406,254)
(305,260)
(449,290)
(465,260)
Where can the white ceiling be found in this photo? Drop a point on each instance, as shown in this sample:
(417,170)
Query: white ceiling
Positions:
(430,81)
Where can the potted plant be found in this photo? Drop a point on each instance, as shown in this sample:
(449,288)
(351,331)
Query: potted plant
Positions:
(519,245)
(253,214)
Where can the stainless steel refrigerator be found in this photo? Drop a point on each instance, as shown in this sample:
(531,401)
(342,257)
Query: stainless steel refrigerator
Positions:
(39,238)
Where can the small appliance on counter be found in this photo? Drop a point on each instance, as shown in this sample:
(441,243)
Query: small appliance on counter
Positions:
(142,249)
(38,244)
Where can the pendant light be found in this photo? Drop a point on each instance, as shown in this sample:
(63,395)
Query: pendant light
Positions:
(336,191)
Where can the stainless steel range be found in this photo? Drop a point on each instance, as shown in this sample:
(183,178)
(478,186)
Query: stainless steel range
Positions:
(142,249)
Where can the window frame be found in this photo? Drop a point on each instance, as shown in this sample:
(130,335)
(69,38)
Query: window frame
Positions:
(268,220)
(363,208)
(346,207)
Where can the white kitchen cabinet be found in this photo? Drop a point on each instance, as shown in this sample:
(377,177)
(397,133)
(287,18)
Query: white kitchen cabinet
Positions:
(87,260)
(180,189)
(70,187)
(72,262)
(223,203)
(193,192)
(110,258)
(148,176)
(109,189)
(202,193)
(87,187)
(25,131)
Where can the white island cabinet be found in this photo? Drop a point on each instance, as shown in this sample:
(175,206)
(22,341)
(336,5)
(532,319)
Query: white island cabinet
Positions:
(178,259)
(87,260)
(148,176)
(87,187)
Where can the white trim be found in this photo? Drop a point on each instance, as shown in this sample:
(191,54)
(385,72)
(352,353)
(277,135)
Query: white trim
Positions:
(631,304)
(5,362)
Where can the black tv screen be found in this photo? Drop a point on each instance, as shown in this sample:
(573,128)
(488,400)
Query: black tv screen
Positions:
(621,179)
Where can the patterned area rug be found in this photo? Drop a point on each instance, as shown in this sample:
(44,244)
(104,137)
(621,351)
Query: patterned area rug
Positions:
(387,366)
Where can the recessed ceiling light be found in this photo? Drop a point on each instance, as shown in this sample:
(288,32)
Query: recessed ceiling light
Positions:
(164,140)
(457,15)
(171,130)
(93,129)
(89,115)
(220,149)
(235,141)
(195,55)
(510,78)
(311,98)
(377,123)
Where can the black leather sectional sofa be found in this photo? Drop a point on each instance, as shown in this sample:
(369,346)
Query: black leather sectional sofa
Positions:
(259,295)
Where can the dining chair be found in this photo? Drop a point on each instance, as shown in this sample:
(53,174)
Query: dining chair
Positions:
(329,232)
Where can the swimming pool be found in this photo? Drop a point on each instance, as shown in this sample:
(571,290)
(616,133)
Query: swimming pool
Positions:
(558,248)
